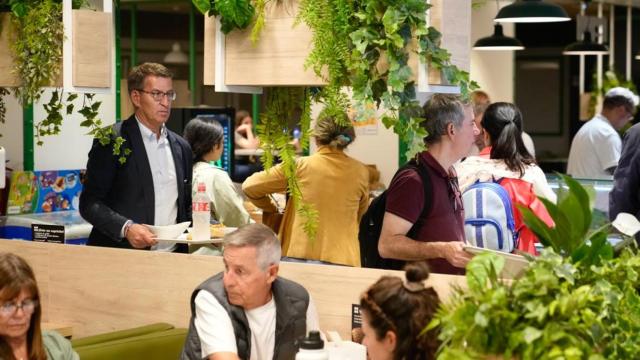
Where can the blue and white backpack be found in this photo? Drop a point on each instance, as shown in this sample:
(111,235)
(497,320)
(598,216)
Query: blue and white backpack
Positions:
(488,217)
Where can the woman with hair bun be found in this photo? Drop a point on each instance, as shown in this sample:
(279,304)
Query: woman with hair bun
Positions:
(336,185)
(394,313)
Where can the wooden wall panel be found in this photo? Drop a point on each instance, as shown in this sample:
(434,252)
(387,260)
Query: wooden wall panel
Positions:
(209,63)
(7,79)
(279,55)
(101,289)
(92,43)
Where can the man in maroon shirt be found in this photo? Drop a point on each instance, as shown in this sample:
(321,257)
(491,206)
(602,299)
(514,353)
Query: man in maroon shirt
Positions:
(438,236)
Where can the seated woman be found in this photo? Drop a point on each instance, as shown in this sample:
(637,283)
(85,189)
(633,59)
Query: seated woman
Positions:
(205,136)
(507,159)
(244,138)
(20,313)
(394,313)
(336,185)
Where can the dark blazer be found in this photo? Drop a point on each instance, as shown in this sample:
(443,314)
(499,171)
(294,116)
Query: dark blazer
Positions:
(114,193)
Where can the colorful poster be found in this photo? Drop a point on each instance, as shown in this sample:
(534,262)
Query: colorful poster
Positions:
(44,191)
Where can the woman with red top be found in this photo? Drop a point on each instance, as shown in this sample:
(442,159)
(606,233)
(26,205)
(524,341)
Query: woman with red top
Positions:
(506,159)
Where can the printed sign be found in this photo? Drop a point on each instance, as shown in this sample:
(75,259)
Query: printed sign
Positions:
(47,233)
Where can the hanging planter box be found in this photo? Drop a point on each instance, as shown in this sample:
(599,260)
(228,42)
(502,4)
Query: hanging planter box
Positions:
(90,41)
(7,79)
(91,44)
(279,56)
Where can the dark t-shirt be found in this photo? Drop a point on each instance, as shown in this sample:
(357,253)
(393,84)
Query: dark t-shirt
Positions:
(445,220)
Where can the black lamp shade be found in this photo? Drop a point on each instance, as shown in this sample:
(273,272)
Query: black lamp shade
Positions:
(585,47)
(532,11)
(498,41)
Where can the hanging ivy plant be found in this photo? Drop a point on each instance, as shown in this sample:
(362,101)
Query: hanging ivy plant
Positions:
(233,14)
(37,54)
(3,108)
(361,44)
(285,103)
(36,46)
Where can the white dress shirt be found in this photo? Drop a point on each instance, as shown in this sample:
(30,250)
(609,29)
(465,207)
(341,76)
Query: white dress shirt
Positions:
(163,173)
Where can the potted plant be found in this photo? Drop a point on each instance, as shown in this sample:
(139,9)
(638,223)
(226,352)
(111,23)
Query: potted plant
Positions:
(574,301)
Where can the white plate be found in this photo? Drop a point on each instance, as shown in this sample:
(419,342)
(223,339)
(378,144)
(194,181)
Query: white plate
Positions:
(182,239)
(169,231)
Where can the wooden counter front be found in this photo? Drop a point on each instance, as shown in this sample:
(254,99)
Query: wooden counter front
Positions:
(96,290)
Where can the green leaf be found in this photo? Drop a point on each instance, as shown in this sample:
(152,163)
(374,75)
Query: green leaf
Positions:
(202,5)
(482,269)
(531,334)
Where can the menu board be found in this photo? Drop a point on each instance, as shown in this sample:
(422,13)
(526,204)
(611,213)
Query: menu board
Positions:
(44,191)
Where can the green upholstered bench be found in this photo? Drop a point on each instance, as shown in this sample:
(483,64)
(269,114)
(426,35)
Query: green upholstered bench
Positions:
(158,345)
(121,334)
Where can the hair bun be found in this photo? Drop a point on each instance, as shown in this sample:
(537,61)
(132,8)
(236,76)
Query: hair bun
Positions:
(416,271)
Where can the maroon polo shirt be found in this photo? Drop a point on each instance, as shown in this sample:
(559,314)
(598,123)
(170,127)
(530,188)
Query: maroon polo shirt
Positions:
(445,220)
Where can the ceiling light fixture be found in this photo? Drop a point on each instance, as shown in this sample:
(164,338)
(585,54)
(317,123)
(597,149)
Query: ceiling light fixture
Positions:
(532,11)
(497,41)
(176,56)
(585,47)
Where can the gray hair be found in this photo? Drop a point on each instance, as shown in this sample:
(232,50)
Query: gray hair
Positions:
(440,111)
(262,238)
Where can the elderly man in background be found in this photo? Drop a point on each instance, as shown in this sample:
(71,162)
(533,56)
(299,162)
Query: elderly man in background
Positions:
(411,234)
(595,150)
(248,311)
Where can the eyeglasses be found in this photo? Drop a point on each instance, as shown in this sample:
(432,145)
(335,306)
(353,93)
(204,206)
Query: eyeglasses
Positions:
(9,308)
(455,195)
(159,95)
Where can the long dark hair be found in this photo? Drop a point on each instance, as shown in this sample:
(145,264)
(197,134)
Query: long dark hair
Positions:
(16,275)
(405,308)
(503,122)
(202,135)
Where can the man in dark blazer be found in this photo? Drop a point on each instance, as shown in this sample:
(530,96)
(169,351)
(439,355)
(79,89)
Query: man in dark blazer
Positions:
(153,185)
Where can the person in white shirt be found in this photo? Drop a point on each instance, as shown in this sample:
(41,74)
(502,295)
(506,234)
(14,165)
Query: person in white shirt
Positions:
(248,311)
(595,150)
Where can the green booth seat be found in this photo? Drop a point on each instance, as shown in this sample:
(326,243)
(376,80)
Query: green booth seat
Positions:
(121,334)
(158,345)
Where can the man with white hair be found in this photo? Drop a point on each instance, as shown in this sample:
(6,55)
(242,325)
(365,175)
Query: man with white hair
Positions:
(248,311)
(595,150)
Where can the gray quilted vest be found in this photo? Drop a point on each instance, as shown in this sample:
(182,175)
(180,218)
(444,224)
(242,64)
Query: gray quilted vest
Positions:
(291,301)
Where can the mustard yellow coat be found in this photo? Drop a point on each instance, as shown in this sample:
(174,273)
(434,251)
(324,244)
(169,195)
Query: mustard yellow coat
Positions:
(337,186)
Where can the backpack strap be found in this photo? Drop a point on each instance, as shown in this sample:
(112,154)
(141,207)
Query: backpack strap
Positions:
(428,193)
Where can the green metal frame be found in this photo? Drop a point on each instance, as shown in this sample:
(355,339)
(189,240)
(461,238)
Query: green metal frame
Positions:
(27,136)
(134,35)
(192,54)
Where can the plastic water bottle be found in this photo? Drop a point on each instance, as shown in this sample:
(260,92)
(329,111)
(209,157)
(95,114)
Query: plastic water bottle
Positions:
(312,348)
(201,214)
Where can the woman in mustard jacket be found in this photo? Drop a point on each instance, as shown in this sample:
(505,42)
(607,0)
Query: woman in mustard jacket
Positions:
(335,184)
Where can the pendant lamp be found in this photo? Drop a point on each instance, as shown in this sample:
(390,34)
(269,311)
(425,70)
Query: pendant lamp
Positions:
(497,41)
(176,56)
(585,47)
(532,11)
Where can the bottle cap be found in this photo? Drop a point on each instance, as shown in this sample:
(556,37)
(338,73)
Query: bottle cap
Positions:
(312,342)
(201,187)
